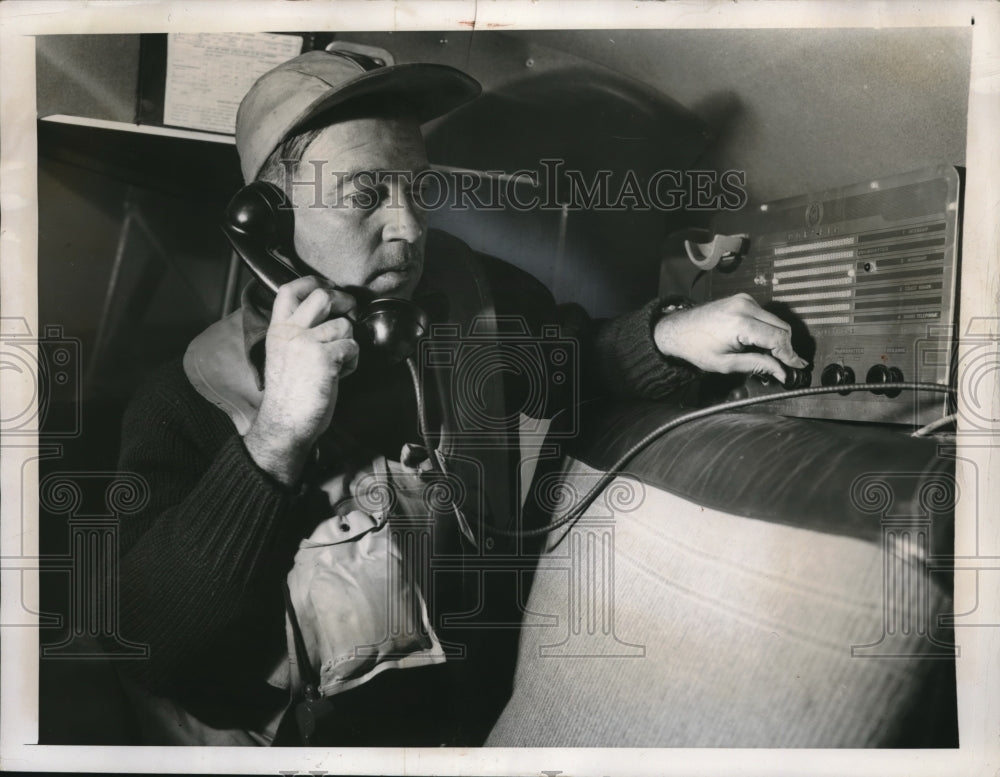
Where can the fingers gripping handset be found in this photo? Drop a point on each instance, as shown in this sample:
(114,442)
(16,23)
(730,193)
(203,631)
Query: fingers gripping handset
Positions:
(259,223)
(318,333)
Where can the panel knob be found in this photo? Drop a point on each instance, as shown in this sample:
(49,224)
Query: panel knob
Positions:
(880,373)
(795,378)
(837,375)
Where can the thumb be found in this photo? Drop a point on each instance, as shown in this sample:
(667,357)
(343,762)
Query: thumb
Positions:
(755,363)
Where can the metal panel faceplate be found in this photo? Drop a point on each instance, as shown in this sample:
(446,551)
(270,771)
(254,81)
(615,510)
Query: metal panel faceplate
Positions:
(866,275)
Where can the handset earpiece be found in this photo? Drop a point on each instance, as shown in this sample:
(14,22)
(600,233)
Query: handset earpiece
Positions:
(259,224)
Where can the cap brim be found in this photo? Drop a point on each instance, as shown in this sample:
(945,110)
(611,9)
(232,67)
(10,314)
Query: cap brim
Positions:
(432,91)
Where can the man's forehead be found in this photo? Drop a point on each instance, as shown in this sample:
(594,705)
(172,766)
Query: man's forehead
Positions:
(370,143)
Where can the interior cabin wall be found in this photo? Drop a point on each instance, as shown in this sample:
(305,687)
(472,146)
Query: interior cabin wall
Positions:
(793,110)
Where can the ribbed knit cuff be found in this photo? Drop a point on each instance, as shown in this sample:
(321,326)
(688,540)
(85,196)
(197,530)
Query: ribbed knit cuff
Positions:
(627,360)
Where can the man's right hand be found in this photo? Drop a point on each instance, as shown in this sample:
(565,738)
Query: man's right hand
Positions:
(733,334)
(309,348)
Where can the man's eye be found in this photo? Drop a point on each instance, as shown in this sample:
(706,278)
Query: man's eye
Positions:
(421,192)
(366,199)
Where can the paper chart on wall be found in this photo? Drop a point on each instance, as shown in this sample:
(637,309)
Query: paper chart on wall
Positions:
(208,74)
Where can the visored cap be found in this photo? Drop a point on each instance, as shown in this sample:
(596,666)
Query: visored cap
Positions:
(302,89)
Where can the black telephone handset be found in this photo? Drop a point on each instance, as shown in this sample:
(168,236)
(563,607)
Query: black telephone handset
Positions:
(259,224)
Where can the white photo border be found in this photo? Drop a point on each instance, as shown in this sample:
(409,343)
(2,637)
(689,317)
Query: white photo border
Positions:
(978,678)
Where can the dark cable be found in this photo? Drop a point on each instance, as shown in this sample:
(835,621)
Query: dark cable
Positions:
(615,470)
(933,426)
(421,412)
(437,464)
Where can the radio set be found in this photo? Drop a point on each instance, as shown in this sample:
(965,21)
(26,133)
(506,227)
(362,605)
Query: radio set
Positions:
(866,275)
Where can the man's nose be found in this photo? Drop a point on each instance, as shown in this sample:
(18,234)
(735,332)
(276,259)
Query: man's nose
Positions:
(403,220)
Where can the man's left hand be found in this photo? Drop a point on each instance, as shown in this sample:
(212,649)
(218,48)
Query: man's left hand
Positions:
(734,334)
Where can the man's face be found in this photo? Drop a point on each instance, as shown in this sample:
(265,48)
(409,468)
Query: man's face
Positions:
(370,231)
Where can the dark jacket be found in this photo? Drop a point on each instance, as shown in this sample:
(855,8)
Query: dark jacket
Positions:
(202,566)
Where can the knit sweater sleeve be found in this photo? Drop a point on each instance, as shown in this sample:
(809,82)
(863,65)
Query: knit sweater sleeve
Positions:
(209,540)
(626,361)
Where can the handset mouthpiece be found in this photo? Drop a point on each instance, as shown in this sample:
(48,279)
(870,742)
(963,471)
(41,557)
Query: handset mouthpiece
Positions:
(391,327)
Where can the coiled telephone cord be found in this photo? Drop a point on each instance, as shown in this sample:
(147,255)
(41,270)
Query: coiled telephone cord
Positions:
(616,469)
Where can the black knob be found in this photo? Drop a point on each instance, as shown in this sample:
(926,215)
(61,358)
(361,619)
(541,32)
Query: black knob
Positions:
(895,376)
(879,373)
(837,375)
(795,378)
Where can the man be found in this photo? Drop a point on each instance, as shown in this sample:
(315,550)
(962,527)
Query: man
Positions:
(261,569)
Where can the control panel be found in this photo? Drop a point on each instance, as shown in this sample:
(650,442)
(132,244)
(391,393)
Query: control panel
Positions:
(867,277)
